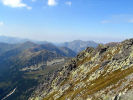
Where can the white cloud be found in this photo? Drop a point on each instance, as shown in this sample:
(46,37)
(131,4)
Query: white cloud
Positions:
(15,4)
(1,23)
(52,2)
(69,3)
(118,19)
(130,21)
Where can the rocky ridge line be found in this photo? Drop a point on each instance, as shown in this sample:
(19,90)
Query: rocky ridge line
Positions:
(104,73)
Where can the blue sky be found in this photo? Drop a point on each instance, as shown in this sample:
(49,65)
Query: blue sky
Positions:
(67,20)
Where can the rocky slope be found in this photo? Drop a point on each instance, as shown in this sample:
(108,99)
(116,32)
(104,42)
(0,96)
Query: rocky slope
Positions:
(104,73)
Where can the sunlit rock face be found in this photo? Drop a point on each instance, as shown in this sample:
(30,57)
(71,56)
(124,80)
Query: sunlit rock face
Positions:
(104,73)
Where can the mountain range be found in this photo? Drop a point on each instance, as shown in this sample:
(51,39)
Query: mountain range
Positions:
(102,73)
(12,40)
(31,71)
(27,62)
(76,45)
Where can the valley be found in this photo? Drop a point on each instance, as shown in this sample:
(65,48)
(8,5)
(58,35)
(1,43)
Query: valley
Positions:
(24,66)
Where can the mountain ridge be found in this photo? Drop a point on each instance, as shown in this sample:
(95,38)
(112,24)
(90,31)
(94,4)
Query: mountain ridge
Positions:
(102,73)
(75,45)
(79,45)
(22,65)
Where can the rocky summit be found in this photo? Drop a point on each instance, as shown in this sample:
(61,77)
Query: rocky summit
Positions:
(103,73)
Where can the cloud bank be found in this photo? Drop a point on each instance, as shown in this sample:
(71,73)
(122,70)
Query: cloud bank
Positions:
(15,4)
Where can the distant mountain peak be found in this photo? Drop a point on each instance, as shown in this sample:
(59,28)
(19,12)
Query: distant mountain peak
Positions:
(12,40)
(28,43)
(79,45)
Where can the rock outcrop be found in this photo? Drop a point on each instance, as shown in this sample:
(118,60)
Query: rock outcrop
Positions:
(104,73)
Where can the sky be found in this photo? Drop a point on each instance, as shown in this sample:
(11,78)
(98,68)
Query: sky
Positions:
(66,20)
